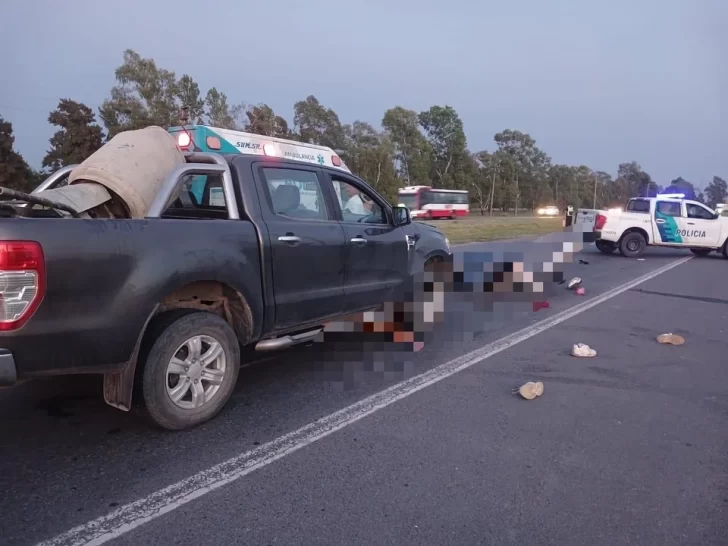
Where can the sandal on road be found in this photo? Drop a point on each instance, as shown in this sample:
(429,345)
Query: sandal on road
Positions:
(672,339)
(530,390)
(582,350)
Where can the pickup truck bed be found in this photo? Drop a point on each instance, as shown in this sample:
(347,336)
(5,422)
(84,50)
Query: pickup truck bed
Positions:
(104,278)
(114,295)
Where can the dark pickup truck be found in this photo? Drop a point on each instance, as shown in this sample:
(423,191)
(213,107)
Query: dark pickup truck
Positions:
(162,306)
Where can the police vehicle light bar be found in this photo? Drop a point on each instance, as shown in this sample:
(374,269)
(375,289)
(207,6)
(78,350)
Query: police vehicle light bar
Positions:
(672,195)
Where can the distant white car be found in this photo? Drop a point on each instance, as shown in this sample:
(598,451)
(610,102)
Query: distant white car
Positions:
(548,211)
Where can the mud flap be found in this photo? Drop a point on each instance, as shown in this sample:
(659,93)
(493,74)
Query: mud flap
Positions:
(119,386)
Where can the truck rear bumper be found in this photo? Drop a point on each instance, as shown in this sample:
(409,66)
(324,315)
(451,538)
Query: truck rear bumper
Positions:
(8,371)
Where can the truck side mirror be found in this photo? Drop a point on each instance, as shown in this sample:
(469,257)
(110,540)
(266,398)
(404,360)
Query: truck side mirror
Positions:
(401,216)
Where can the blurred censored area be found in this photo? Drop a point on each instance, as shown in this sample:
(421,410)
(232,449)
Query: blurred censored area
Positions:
(480,280)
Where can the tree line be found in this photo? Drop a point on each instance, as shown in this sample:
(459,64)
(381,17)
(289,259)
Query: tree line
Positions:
(412,148)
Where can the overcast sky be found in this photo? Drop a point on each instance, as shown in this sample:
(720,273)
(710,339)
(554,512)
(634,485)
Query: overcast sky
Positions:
(594,82)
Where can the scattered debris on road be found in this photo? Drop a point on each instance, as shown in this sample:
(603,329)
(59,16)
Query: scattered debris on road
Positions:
(530,390)
(581,291)
(583,350)
(540,305)
(670,339)
(583,262)
(574,283)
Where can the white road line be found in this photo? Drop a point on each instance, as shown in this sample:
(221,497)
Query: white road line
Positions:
(137,513)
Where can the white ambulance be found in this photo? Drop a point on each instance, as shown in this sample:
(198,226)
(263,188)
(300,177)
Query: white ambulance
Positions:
(201,138)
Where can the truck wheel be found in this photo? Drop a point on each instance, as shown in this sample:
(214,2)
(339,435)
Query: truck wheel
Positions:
(605,247)
(190,370)
(701,251)
(724,250)
(632,245)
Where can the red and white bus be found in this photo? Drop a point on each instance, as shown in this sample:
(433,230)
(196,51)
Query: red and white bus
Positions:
(430,203)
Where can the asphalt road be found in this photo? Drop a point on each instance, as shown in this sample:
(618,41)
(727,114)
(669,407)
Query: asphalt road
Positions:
(627,448)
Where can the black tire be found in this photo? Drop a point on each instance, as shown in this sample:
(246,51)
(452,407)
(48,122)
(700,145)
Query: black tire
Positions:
(605,247)
(724,250)
(632,245)
(166,339)
(701,251)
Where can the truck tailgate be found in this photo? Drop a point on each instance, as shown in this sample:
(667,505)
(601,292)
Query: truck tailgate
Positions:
(586,217)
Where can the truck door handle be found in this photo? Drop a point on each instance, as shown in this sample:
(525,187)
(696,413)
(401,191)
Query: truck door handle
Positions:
(291,239)
(359,241)
(691,223)
(659,221)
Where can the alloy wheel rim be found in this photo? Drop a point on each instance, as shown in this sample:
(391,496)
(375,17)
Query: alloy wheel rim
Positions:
(195,372)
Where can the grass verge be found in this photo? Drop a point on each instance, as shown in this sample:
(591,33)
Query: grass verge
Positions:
(485,228)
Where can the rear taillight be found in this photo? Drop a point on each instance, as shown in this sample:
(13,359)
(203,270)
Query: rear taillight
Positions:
(22,282)
(599,222)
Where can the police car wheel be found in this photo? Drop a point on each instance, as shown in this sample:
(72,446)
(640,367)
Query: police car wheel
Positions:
(632,245)
(606,247)
(724,251)
(701,251)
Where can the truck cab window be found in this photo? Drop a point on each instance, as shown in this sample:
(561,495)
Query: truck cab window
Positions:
(669,208)
(357,205)
(295,193)
(638,205)
(699,213)
(200,196)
